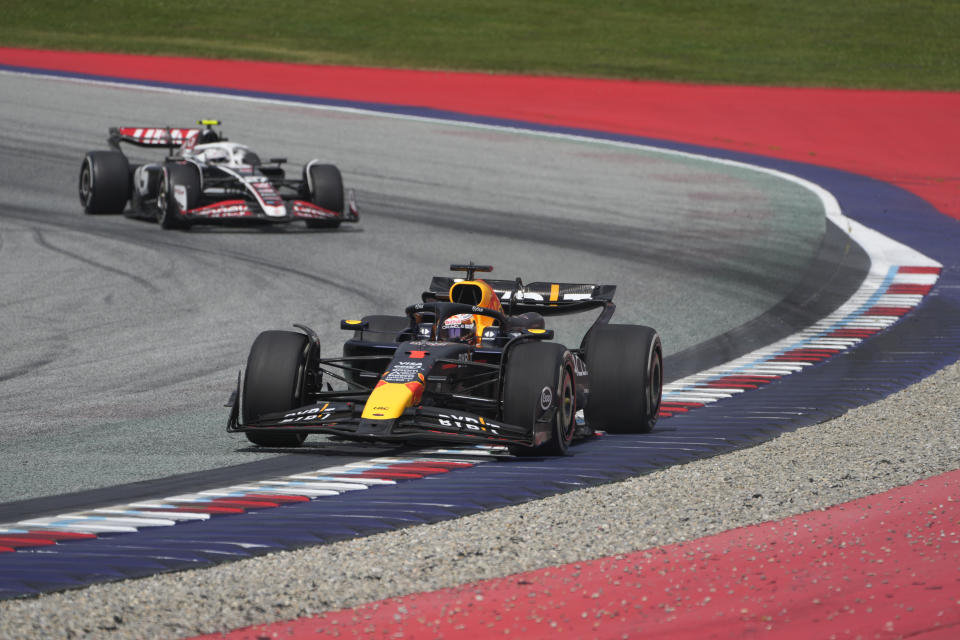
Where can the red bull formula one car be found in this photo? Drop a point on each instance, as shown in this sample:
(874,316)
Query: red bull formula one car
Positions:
(472,363)
(207,179)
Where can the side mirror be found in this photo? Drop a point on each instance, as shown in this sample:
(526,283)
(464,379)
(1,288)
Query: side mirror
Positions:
(354,325)
(539,334)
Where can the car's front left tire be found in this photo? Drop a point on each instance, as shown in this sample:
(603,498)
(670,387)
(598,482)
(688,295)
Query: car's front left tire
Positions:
(273,383)
(169,209)
(538,387)
(325,189)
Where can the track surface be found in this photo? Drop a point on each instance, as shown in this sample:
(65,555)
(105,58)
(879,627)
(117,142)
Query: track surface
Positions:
(121,341)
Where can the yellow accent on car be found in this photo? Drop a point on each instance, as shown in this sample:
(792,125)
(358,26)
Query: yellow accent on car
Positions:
(554,292)
(387,401)
(352,321)
(478,293)
(208,123)
(536,330)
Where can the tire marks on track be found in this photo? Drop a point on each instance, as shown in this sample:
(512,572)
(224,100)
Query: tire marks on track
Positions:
(153,237)
(41,240)
(679,253)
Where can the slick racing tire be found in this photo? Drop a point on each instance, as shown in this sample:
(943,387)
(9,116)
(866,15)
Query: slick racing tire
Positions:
(272,383)
(325,189)
(626,378)
(168,209)
(539,385)
(104,182)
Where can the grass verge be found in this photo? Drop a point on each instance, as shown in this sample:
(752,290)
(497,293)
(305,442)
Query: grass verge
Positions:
(895,44)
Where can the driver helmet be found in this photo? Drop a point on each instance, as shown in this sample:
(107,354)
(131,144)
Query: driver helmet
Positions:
(208,135)
(459,328)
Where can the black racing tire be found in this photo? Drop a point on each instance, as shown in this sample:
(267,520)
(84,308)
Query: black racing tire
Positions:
(168,210)
(325,189)
(538,376)
(626,378)
(105,182)
(272,383)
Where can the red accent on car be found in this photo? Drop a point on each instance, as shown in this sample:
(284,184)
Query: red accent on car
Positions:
(301,209)
(225,209)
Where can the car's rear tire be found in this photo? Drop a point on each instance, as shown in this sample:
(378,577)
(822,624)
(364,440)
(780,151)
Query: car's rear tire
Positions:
(325,189)
(104,182)
(168,209)
(538,378)
(273,383)
(626,378)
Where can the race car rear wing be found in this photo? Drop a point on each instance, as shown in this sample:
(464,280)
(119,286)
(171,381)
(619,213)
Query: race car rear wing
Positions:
(546,298)
(161,137)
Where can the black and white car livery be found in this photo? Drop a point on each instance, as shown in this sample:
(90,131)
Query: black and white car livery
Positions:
(207,179)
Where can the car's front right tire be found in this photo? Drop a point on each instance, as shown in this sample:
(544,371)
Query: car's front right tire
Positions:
(105,183)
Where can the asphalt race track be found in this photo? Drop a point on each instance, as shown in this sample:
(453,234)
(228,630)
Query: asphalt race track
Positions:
(121,341)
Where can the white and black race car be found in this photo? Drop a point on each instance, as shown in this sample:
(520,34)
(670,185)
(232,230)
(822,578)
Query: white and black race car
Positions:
(205,179)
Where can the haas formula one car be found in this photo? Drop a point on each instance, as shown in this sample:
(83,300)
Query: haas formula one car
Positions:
(206,179)
(472,363)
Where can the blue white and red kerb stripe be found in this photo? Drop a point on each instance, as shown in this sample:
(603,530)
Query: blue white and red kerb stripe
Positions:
(236,499)
(880,302)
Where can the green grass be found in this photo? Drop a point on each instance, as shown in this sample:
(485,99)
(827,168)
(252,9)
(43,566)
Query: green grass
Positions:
(897,44)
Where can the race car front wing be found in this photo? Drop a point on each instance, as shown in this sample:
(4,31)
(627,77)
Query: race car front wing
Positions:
(416,423)
(240,209)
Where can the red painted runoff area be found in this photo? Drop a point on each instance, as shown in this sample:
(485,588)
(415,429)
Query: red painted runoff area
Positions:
(906,138)
(886,566)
